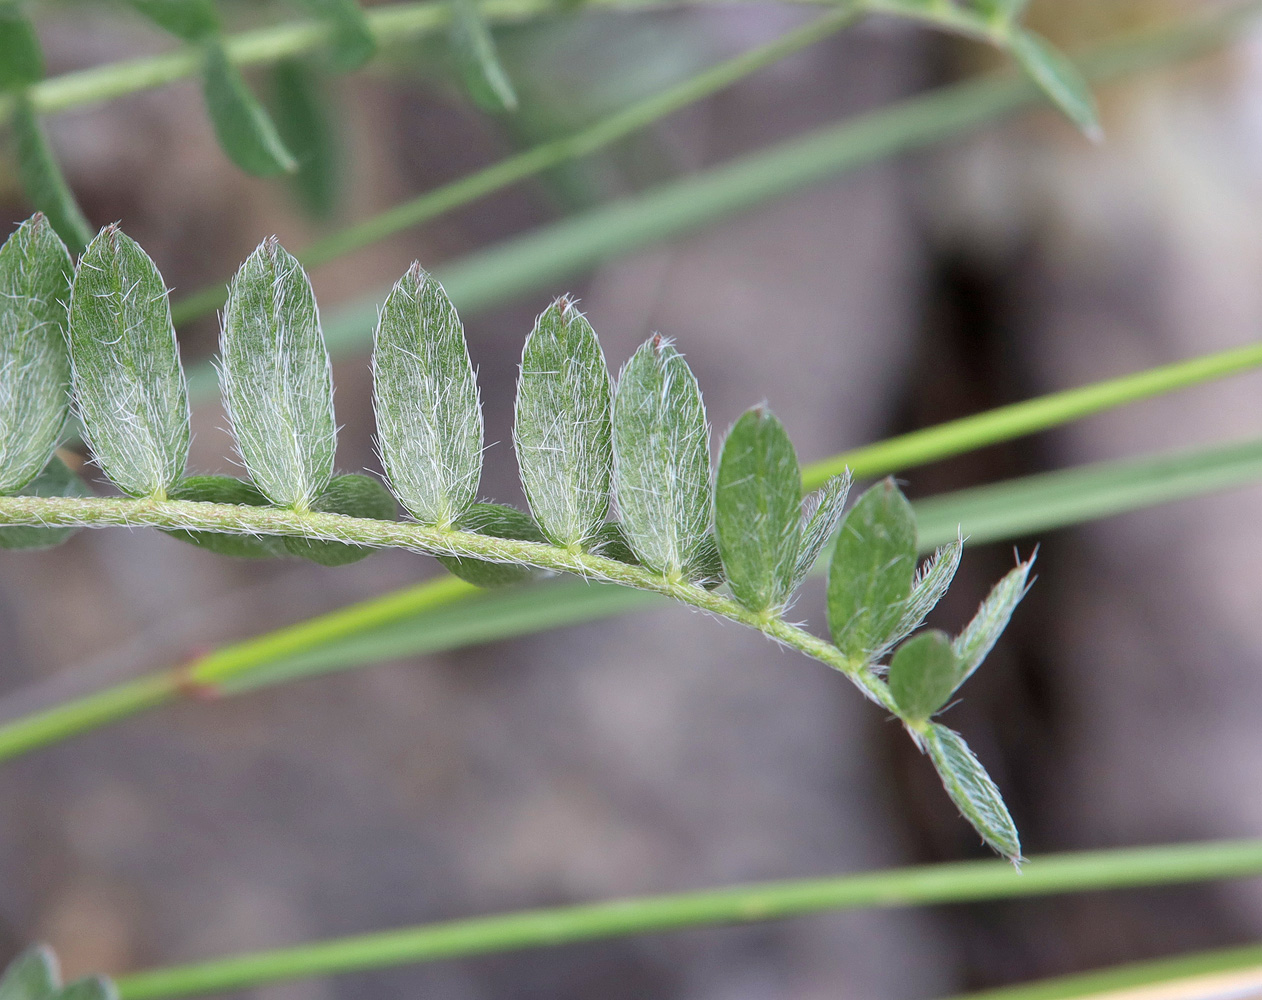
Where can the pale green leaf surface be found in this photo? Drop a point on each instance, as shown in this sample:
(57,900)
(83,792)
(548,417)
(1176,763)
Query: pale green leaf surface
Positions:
(429,419)
(21,58)
(128,384)
(930,583)
(923,674)
(35,271)
(500,521)
(277,379)
(820,514)
(57,480)
(477,60)
(972,790)
(562,432)
(32,975)
(758,510)
(226,489)
(661,445)
(870,576)
(1059,79)
(304,121)
(353,41)
(190,20)
(243,129)
(980,635)
(355,496)
(42,179)
(90,988)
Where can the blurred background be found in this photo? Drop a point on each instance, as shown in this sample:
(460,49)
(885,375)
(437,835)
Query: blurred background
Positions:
(663,751)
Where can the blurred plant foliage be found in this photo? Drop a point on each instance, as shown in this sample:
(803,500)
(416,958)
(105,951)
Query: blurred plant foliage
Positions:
(616,470)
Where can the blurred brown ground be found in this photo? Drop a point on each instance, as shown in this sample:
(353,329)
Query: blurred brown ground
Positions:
(664,751)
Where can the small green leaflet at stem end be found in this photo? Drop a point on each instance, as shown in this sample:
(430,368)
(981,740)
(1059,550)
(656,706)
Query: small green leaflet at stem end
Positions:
(972,790)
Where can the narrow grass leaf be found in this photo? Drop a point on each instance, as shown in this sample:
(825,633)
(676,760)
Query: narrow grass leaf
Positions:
(1059,79)
(661,445)
(820,514)
(190,20)
(429,419)
(758,510)
(35,271)
(354,496)
(91,988)
(561,430)
(32,975)
(42,179)
(477,60)
(21,58)
(923,675)
(226,489)
(243,128)
(57,480)
(499,521)
(979,637)
(972,790)
(870,577)
(353,41)
(304,120)
(277,380)
(129,387)
(928,587)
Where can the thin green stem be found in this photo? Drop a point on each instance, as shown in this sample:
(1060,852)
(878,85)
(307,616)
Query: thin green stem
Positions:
(919,886)
(97,512)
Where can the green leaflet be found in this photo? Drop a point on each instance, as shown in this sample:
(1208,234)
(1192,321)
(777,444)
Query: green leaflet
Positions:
(21,58)
(191,20)
(870,576)
(930,583)
(57,480)
(128,383)
(303,119)
(429,419)
(42,179)
(661,447)
(758,510)
(820,514)
(353,41)
(979,637)
(91,988)
(923,675)
(500,521)
(971,789)
(244,131)
(562,429)
(355,496)
(1059,79)
(477,60)
(32,975)
(35,271)
(276,377)
(226,489)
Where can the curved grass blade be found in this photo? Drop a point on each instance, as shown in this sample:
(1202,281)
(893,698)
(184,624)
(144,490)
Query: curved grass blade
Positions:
(972,790)
(226,489)
(500,521)
(562,433)
(305,124)
(57,480)
(128,384)
(21,57)
(355,496)
(661,447)
(277,378)
(758,510)
(477,59)
(42,179)
(429,418)
(35,274)
(243,128)
(870,576)
(1059,79)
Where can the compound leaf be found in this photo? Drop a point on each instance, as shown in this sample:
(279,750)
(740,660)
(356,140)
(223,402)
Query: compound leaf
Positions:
(871,572)
(499,521)
(226,489)
(923,675)
(980,635)
(972,790)
(128,384)
(243,128)
(661,446)
(562,428)
(35,271)
(277,379)
(757,510)
(429,420)
(355,496)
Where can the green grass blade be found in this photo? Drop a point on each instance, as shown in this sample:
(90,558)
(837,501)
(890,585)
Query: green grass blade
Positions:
(919,886)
